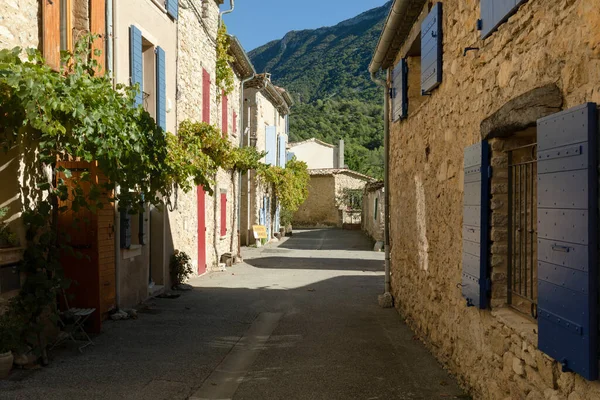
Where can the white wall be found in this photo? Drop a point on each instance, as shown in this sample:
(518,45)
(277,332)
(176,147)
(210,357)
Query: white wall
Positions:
(315,155)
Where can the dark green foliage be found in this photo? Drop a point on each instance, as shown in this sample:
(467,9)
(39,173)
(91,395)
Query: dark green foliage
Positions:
(181,267)
(326,71)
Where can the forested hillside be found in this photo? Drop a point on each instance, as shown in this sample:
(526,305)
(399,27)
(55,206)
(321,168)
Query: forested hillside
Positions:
(326,71)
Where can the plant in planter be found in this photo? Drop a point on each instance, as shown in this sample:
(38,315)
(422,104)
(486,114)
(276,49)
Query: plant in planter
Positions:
(181,267)
(10,332)
(7,237)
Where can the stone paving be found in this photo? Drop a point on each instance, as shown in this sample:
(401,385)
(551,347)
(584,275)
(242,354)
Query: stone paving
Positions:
(298,320)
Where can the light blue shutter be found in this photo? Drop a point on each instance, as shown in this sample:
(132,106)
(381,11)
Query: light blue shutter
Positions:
(136,62)
(567,213)
(431,50)
(271,145)
(172,7)
(282,155)
(496,12)
(161,89)
(475,273)
(289,156)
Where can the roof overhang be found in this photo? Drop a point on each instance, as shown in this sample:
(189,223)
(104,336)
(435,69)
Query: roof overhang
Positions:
(242,66)
(279,97)
(396,29)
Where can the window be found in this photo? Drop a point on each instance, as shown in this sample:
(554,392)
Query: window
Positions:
(399,92)
(225,114)
(431,50)
(134,229)
(494,13)
(271,145)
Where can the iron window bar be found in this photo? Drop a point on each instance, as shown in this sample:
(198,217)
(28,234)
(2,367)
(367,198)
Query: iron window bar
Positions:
(522,234)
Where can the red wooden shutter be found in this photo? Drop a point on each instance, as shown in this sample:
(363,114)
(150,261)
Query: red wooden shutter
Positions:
(234,122)
(223,214)
(225,113)
(98,27)
(205,96)
(51,33)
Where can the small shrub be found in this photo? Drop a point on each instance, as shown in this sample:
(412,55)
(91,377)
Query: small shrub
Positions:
(181,267)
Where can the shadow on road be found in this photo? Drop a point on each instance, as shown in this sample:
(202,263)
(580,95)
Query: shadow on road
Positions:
(327,239)
(338,264)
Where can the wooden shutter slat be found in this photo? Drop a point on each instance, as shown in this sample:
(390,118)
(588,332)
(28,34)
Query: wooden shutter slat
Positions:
(431,49)
(496,12)
(98,27)
(161,89)
(271,145)
(400,91)
(172,7)
(475,273)
(567,213)
(51,32)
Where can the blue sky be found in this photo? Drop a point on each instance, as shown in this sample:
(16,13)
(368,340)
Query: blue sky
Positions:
(256,22)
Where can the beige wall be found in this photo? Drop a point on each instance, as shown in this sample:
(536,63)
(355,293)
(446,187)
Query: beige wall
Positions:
(316,155)
(493,353)
(373,220)
(19,25)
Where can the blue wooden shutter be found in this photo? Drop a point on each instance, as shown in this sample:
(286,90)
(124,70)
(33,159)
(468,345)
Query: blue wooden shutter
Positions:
(271,145)
(172,7)
(400,91)
(475,274)
(567,213)
(431,50)
(136,62)
(282,155)
(289,156)
(125,230)
(496,12)
(161,89)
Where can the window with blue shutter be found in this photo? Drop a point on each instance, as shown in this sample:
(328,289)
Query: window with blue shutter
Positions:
(282,150)
(431,50)
(125,231)
(475,273)
(161,89)
(271,145)
(172,7)
(289,156)
(400,91)
(496,12)
(568,238)
(136,62)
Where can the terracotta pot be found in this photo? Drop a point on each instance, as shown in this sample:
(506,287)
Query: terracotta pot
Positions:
(6,363)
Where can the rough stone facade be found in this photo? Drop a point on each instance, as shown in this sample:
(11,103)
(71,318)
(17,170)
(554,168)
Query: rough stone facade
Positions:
(373,211)
(494,353)
(19,23)
(197,52)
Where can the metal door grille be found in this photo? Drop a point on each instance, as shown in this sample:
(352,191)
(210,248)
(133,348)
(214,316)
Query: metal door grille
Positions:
(522,229)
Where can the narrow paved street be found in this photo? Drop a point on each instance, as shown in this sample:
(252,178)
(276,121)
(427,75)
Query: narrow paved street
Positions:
(296,321)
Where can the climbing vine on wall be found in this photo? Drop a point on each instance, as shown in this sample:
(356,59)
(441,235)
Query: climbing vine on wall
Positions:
(224,74)
(289,184)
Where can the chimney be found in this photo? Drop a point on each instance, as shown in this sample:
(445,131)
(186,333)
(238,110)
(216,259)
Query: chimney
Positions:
(341,154)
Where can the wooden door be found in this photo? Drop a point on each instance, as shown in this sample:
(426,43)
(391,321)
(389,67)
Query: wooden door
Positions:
(81,230)
(201,230)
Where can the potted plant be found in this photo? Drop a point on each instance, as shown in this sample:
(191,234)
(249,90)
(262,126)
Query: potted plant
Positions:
(9,341)
(7,237)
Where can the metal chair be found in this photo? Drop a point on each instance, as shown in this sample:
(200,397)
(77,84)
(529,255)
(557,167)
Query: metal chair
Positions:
(72,322)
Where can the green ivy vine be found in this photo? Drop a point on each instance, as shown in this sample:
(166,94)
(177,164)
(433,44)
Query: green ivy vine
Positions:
(224,73)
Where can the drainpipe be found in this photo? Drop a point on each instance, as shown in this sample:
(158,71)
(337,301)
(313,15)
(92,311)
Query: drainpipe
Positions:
(232,6)
(386,299)
(112,5)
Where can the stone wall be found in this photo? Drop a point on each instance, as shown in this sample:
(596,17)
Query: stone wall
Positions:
(493,353)
(19,23)
(373,220)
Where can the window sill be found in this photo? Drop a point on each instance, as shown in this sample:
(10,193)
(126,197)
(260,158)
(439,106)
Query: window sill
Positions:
(161,7)
(223,237)
(133,251)
(525,328)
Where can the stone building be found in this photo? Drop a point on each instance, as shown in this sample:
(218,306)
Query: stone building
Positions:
(373,206)
(266,109)
(334,199)
(318,154)
(493,189)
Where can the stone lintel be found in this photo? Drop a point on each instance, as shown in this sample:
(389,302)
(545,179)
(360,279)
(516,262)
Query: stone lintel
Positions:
(522,112)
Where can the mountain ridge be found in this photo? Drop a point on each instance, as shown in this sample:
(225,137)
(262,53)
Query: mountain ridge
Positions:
(325,71)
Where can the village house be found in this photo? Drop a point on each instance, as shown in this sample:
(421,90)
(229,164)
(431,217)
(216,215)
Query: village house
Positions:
(493,175)
(265,125)
(335,192)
